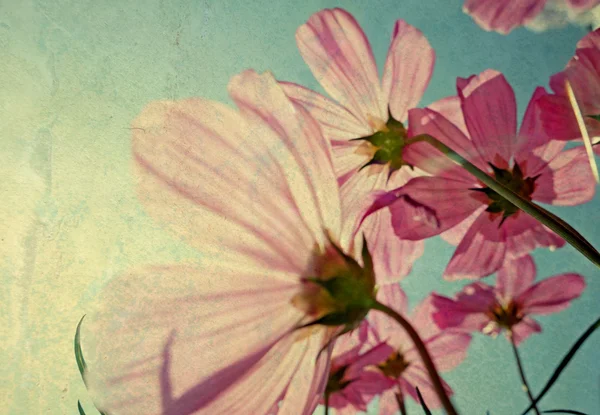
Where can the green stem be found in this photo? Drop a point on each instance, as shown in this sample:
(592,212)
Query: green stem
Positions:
(522,374)
(422,349)
(563,229)
(400,401)
(326,403)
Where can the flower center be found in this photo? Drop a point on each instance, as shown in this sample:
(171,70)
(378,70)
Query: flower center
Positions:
(340,292)
(394,366)
(386,145)
(515,181)
(505,316)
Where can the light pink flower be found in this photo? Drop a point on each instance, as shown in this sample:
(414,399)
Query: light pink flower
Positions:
(404,366)
(583,73)
(254,190)
(487,228)
(509,305)
(505,15)
(354,380)
(339,55)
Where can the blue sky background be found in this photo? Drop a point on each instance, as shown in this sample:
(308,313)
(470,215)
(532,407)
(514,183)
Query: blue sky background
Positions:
(73,75)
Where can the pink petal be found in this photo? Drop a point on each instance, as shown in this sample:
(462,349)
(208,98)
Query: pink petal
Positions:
(450,108)
(532,135)
(188,152)
(557,117)
(173,331)
(503,15)
(375,356)
(515,276)
(392,257)
(385,327)
(524,234)
(481,251)
(336,121)
(567,180)
(456,234)
(339,55)
(416,376)
(423,155)
(408,69)
(422,318)
(427,206)
(387,403)
(591,40)
(447,349)
(583,5)
(524,329)
(468,311)
(552,294)
(263,100)
(490,112)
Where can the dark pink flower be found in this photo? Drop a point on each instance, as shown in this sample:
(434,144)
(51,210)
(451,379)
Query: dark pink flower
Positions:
(369,108)
(505,15)
(404,366)
(583,73)
(354,379)
(509,305)
(487,228)
(255,192)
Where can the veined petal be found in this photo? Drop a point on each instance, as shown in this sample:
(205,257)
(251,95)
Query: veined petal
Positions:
(503,15)
(591,40)
(427,206)
(315,188)
(481,252)
(336,121)
(515,276)
(567,180)
(166,340)
(490,111)
(385,327)
(340,57)
(188,152)
(468,311)
(450,108)
(422,318)
(524,234)
(524,329)
(416,376)
(552,294)
(408,69)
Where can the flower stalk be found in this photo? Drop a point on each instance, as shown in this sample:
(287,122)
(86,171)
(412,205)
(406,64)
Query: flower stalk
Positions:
(522,375)
(560,227)
(423,353)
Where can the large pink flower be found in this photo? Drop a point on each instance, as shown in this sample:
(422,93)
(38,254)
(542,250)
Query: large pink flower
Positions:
(369,108)
(404,365)
(354,379)
(254,190)
(583,73)
(505,15)
(486,227)
(508,305)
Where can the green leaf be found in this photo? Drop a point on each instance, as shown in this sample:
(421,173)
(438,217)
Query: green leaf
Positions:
(81,411)
(563,364)
(78,353)
(422,402)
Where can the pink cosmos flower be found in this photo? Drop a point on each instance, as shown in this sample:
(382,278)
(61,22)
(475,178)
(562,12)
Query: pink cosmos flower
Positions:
(368,108)
(505,15)
(583,73)
(509,305)
(254,190)
(354,379)
(487,228)
(404,366)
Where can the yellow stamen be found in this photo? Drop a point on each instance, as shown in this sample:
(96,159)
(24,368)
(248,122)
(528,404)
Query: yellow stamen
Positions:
(584,133)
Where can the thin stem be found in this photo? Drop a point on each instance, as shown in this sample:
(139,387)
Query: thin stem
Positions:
(400,400)
(422,349)
(326,403)
(522,374)
(563,229)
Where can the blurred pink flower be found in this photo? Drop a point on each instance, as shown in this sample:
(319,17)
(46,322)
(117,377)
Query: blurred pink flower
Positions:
(486,227)
(583,72)
(404,366)
(368,108)
(354,380)
(255,192)
(505,15)
(508,305)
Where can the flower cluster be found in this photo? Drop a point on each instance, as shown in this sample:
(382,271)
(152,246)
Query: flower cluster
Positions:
(309,211)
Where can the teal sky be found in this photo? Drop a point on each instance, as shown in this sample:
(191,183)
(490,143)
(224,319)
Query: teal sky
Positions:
(73,74)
